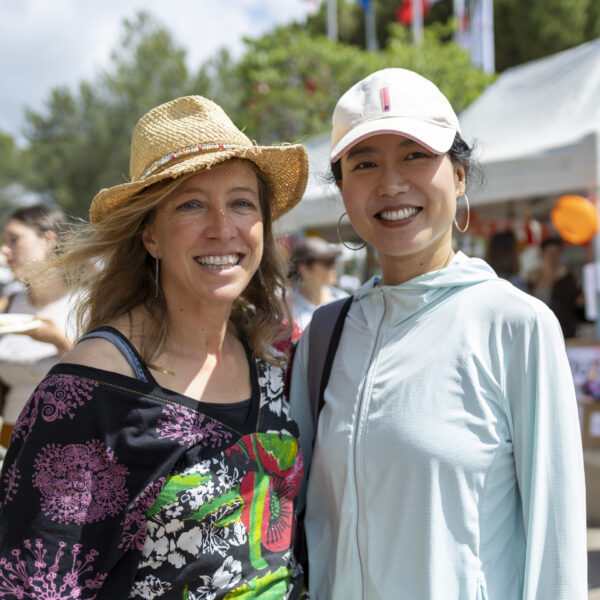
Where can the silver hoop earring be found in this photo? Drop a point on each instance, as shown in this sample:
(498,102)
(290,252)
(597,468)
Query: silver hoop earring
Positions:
(340,236)
(464,229)
(156,275)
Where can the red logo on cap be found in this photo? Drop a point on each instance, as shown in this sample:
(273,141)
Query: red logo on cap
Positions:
(385,99)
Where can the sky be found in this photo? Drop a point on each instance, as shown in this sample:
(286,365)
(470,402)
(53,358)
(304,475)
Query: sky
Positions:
(49,43)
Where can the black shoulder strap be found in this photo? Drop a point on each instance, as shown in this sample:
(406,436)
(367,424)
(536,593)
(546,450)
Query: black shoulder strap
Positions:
(325,332)
(126,347)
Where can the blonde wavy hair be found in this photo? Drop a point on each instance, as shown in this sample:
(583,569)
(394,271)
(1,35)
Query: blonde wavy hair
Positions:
(108,264)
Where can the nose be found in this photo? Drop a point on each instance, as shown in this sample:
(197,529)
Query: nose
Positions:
(392,181)
(222,225)
(4,249)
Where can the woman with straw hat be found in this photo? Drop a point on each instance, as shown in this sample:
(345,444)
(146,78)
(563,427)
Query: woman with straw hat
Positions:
(447,460)
(158,460)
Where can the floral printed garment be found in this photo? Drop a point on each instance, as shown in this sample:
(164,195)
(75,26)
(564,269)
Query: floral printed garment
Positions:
(116,488)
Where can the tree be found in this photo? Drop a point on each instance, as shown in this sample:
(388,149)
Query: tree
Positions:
(292,80)
(283,89)
(81,143)
(14,167)
(523,30)
(526,31)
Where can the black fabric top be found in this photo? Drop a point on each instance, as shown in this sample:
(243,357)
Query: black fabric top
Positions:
(114,487)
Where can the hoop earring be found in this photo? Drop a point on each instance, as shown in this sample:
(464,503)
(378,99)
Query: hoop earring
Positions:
(340,236)
(156,275)
(464,229)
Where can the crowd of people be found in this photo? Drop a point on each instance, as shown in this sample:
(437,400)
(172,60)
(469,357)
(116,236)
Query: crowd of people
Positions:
(161,452)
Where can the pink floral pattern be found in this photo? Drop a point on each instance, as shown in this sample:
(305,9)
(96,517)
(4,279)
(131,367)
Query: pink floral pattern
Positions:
(57,397)
(80,483)
(78,579)
(134,525)
(11,483)
(189,428)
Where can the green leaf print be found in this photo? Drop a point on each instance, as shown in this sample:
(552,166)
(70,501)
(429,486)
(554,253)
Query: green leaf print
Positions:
(284,449)
(272,586)
(174,485)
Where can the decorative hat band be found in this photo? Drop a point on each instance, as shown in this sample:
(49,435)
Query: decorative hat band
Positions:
(191,150)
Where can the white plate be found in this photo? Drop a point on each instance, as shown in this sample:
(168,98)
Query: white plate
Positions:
(17,322)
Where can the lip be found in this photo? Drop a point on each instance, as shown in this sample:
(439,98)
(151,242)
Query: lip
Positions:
(219,262)
(398,216)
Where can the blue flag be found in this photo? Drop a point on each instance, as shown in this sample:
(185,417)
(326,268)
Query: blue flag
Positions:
(366,4)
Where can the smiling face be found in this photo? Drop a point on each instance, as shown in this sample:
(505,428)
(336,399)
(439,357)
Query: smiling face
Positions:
(209,235)
(401,199)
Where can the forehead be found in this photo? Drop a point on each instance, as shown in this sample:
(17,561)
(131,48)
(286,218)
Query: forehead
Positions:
(382,142)
(16,226)
(230,173)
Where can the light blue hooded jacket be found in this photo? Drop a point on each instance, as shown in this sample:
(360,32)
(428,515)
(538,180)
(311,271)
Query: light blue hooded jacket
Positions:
(447,463)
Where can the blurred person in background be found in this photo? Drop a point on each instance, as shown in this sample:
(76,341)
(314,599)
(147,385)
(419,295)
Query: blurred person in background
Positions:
(313,273)
(158,458)
(31,235)
(553,283)
(503,256)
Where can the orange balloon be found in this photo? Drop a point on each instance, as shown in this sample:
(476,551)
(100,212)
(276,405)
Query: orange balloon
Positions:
(575,219)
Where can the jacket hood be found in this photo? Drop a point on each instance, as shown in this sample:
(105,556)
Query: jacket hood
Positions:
(410,297)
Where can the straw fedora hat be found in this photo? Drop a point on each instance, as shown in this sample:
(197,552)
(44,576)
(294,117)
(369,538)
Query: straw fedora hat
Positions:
(190,134)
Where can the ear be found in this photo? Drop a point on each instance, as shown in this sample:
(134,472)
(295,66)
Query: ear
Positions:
(50,237)
(149,240)
(302,269)
(460,180)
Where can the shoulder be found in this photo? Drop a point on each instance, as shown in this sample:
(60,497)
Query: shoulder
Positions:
(100,354)
(498,300)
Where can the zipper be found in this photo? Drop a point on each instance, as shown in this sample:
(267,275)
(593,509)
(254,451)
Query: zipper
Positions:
(362,402)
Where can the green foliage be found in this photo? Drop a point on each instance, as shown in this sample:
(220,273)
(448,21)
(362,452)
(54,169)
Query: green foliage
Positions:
(15,163)
(292,79)
(15,172)
(81,143)
(541,27)
(283,89)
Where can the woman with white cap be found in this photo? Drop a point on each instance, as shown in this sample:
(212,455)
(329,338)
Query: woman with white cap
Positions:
(158,460)
(447,458)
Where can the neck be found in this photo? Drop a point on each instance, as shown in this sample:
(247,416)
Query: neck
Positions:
(314,294)
(42,293)
(396,270)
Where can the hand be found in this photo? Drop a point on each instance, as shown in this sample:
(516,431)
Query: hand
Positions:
(49,333)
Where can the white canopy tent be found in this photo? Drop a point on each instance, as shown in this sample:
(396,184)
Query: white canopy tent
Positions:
(536,131)
(321,205)
(537,128)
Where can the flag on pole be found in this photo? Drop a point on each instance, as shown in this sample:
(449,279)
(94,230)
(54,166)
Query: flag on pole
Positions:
(370,27)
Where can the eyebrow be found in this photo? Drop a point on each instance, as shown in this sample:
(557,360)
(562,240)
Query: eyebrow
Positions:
(367,149)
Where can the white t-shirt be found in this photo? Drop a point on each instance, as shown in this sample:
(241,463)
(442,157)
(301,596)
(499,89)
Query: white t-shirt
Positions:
(302,309)
(24,361)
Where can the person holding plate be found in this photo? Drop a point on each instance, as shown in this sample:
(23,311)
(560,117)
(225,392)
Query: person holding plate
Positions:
(35,321)
(158,458)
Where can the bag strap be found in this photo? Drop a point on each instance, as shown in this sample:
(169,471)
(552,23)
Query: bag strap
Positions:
(325,331)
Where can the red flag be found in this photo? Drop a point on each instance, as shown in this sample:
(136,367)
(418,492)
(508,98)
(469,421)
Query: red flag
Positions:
(404,13)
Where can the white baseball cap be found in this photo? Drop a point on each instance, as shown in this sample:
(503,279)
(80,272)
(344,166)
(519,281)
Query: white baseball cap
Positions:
(393,101)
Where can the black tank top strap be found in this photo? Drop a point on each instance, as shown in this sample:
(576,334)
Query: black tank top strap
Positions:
(127,349)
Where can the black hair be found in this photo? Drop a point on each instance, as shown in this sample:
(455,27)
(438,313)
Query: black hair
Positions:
(552,241)
(42,218)
(503,254)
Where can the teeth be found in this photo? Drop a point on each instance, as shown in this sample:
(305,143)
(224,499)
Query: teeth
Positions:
(219,261)
(397,215)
